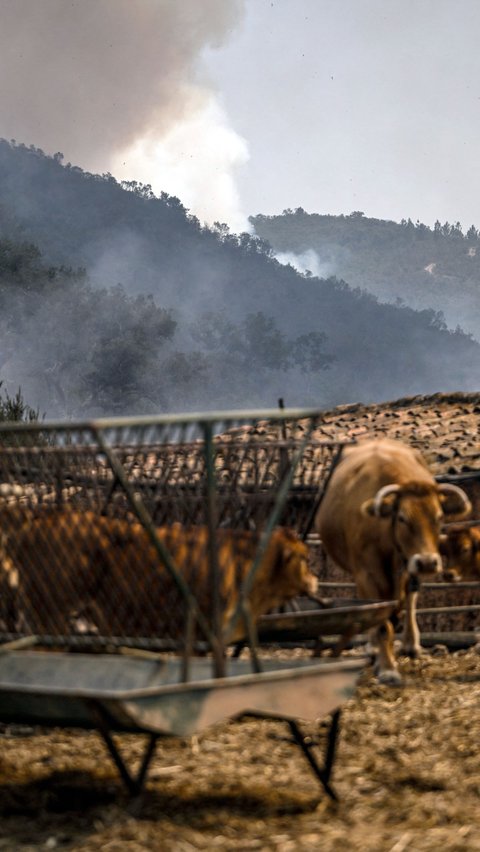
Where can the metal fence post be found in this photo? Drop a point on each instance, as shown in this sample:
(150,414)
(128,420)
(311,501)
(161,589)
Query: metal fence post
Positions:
(212,523)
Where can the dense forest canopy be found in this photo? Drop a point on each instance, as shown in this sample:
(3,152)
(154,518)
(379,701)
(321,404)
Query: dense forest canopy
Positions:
(407,263)
(116,301)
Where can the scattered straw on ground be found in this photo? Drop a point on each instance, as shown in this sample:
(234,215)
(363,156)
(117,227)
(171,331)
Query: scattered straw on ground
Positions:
(407,773)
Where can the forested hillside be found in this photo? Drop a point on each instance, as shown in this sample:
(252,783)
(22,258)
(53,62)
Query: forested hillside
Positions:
(115,301)
(423,267)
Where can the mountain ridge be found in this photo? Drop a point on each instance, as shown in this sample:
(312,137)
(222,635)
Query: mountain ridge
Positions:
(437,268)
(243,329)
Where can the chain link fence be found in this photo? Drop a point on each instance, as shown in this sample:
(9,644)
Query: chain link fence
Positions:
(161,533)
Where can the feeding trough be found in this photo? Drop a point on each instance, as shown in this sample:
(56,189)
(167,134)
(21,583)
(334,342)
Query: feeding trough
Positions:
(342,618)
(142,544)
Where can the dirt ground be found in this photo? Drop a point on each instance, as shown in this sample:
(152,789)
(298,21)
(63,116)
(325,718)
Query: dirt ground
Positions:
(407,774)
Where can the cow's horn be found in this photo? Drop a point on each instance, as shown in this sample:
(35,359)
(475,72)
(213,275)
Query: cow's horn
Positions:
(380,497)
(449,488)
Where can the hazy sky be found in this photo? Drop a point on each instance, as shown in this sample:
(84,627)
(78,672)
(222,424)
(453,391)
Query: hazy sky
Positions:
(346,105)
(251,106)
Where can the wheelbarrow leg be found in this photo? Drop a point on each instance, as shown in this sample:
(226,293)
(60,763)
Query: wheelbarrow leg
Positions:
(322,772)
(133,783)
(149,752)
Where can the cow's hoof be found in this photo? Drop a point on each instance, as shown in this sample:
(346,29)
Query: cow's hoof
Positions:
(389,677)
(414,652)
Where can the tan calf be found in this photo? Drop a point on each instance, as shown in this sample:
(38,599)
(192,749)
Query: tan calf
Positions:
(81,567)
(460,547)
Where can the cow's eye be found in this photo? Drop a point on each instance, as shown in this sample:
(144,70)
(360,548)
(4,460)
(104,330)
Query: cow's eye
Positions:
(402,518)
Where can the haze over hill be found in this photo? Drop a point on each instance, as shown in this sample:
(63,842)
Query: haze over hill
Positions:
(173,315)
(423,267)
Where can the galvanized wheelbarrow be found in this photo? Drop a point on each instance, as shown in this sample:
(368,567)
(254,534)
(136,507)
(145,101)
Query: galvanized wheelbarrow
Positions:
(115,693)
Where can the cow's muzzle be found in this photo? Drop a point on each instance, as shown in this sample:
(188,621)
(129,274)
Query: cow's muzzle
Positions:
(425,564)
(451,575)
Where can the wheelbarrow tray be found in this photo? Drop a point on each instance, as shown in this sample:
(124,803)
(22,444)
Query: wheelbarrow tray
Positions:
(145,695)
(342,617)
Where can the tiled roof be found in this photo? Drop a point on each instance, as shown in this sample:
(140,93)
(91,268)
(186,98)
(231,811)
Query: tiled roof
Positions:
(445,427)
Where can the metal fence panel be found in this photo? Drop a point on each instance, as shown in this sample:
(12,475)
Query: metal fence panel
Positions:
(152,531)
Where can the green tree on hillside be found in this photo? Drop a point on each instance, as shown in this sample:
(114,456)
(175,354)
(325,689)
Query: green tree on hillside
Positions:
(15,409)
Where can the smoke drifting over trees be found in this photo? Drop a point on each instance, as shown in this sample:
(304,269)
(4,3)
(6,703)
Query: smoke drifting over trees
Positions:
(402,262)
(172,315)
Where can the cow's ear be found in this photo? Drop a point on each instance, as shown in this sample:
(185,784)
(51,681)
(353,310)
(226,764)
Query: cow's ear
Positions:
(290,534)
(442,544)
(454,500)
(287,555)
(368,508)
(378,510)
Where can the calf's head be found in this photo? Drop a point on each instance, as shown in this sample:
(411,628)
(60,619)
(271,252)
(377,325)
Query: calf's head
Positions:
(460,548)
(416,511)
(290,574)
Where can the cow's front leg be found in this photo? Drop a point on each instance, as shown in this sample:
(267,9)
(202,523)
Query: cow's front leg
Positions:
(368,589)
(411,634)
(386,666)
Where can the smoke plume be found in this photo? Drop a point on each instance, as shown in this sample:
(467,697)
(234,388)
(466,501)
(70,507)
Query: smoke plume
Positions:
(100,79)
(307,262)
(196,160)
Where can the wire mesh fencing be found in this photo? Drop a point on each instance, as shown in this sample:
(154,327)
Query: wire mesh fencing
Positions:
(164,533)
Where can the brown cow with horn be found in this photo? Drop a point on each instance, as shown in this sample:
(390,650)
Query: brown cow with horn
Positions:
(380,520)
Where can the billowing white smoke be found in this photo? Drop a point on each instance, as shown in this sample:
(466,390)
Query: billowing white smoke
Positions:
(108,81)
(306,262)
(196,160)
